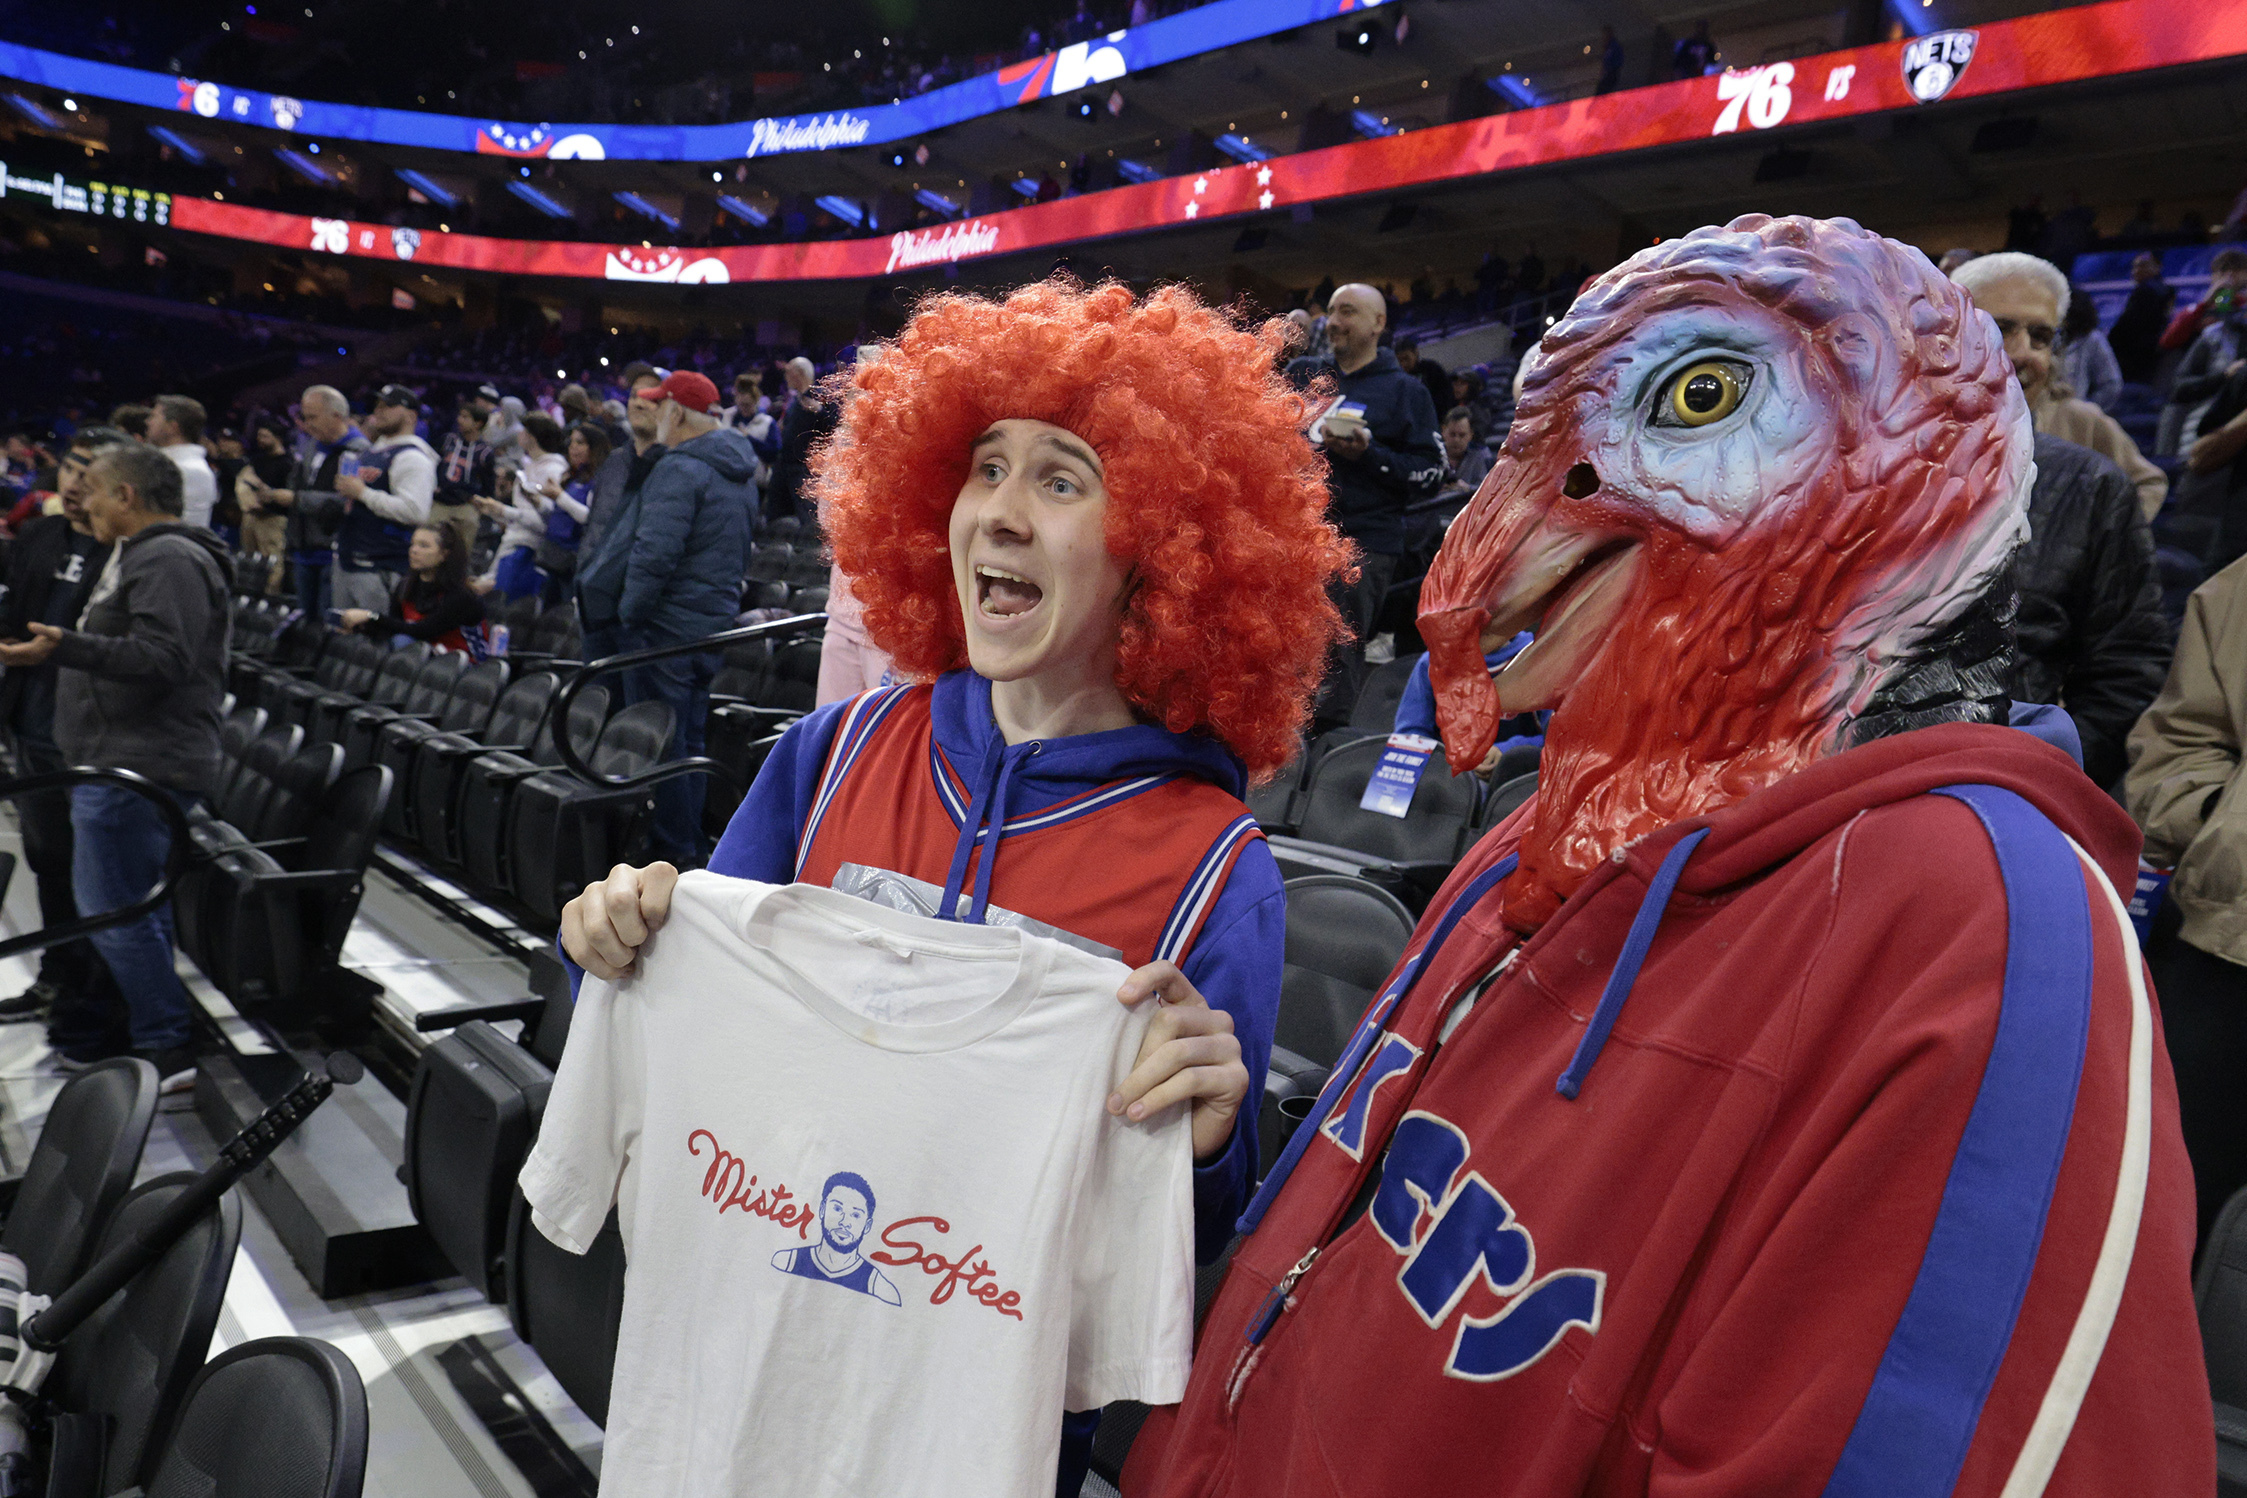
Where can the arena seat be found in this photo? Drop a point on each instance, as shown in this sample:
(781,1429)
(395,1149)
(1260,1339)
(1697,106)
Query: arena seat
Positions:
(1375,711)
(770,562)
(250,784)
(426,695)
(346,673)
(1506,798)
(550,642)
(471,1115)
(1407,854)
(124,1373)
(265,922)
(281,1417)
(1344,937)
(88,1152)
(393,683)
(568,1307)
(487,785)
(475,691)
(562,832)
(1273,803)
(808,569)
(240,726)
(2219,1293)
(296,648)
(794,685)
(726,741)
(441,760)
(808,600)
(764,593)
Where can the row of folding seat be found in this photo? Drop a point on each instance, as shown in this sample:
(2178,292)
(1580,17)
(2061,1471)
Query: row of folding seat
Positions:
(280,861)
(781,561)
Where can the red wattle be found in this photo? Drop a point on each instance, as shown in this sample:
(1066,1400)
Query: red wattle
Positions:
(1467,709)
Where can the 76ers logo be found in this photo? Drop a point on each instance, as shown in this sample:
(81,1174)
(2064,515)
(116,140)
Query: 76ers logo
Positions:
(1934,63)
(1453,1228)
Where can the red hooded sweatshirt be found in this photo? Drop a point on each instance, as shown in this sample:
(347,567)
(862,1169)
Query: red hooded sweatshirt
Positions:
(1874,1185)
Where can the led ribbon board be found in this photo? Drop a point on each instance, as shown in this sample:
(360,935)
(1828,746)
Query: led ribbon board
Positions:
(80,195)
(1224,23)
(2066,46)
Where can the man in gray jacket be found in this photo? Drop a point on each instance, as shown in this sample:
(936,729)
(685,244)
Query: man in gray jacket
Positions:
(139,689)
(668,569)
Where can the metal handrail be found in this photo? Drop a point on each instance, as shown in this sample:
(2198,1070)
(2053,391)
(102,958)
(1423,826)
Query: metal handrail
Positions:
(175,864)
(576,763)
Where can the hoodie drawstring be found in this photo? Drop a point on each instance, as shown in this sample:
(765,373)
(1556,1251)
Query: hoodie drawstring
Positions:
(1635,947)
(988,809)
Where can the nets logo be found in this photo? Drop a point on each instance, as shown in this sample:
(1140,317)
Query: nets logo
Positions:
(1933,64)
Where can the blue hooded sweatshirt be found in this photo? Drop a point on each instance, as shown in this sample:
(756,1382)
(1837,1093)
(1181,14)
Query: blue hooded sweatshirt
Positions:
(1235,963)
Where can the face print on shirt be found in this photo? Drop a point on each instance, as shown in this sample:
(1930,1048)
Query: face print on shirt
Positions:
(846,1214)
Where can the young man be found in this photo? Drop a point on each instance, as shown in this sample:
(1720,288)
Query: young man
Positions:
(668,570)
(1773,1105)
(1049,507)
(386,495)
(175,427)
(464,470)
(51,569)
(141,678)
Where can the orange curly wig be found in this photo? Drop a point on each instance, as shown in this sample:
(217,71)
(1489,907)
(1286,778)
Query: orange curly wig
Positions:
(1217,503)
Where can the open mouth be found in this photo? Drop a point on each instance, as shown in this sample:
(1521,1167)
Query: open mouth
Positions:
(1544,609)
(1000,594)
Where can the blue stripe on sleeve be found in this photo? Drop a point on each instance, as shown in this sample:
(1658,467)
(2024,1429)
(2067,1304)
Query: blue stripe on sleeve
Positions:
(1918,1420)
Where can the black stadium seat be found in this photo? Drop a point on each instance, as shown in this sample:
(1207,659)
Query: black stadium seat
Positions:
(770,562)
(764,593)
(465,711)
(88,1152)
(488,782)
(568,1307)
(2219,1293)
(281,1417)
(441,760)
(1409,853)
(130,1363)
(1376,708)
(345,674)
(1506,798)
(393,682)
(426,695)
(1344,936)
(561,832)
(240,727)
(250,785)
(267,923)
(794,686)
(470,1118)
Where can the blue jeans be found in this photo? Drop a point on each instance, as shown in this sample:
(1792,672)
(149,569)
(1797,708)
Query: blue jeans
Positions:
(312,581)
(121,843)
(684,683)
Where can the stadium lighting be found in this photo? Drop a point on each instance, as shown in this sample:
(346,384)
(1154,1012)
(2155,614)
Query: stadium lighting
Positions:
(1027,186)
(645,209)
(1369,124)
(935,202)
(1241,148)
(842,208)
(538,200)
(303,165)
(188,150)
(1136,171)
(744,210)
(443,197)
(1360,38)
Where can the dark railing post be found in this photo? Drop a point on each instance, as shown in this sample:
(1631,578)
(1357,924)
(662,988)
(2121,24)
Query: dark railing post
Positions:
(575,762)
(174,866)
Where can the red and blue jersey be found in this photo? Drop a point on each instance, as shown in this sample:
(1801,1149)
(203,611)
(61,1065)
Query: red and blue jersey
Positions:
(1134,838)
(1826,1145)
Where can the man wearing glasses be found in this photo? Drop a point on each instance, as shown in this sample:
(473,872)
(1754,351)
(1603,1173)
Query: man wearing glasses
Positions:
(2090,634)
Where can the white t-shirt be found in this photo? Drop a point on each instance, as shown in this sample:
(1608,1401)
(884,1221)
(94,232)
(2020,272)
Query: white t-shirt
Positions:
(881,1227)
(198,485)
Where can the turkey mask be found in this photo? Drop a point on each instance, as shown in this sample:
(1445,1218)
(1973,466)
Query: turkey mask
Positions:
(1759,503)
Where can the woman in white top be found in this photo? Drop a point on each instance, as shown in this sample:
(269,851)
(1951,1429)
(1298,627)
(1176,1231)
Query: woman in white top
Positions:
(514,569)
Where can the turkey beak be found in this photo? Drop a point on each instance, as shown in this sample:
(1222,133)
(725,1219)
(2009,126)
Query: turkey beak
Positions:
(1497,566)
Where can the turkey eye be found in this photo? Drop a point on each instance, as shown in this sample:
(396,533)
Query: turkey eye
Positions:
(1709,391)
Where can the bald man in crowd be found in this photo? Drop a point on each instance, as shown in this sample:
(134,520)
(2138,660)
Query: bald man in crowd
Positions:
(806,423)
(312,501)
(1383,453)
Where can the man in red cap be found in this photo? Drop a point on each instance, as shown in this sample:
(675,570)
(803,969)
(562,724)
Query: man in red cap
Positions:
(668,569)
